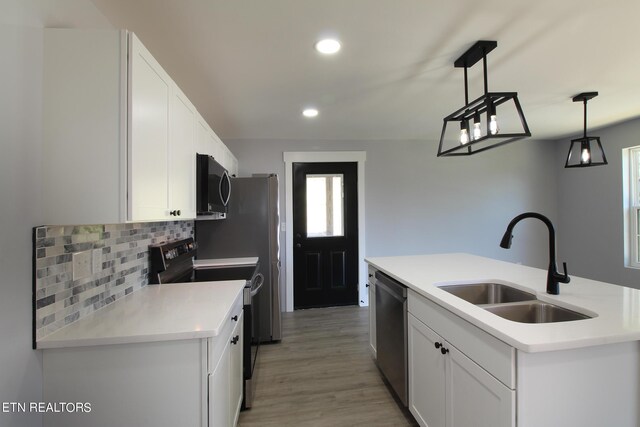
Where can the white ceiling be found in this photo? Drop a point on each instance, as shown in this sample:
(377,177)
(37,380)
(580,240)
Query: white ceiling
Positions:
(249,65)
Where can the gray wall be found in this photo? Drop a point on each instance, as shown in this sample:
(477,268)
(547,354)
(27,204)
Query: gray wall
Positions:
(590,209)
(418,203)
(20,367)
(21,23)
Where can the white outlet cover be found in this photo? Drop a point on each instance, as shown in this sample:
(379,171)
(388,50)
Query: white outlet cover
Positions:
(81,264)
(97,261)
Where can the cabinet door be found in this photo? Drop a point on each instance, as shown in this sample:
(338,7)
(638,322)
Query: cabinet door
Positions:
(182,157)
(217,147)
(219,398)
(474,397)
(236,381)
(203,140)
(427,367)
(234,166)
(150,97)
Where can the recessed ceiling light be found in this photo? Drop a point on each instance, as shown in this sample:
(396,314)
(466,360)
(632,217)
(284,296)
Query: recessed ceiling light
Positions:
(328,46)
(310,112)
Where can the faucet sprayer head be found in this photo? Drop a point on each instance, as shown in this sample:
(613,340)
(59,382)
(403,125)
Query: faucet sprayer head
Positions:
(506,240)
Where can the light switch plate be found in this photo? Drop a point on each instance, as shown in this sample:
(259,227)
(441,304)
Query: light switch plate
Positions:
(97,261)
(81,265)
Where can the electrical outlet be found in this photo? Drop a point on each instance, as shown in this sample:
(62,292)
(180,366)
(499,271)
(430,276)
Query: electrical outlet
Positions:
(97,261)
(81,265)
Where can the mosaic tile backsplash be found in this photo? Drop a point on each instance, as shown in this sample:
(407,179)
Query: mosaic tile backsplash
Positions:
(121,266)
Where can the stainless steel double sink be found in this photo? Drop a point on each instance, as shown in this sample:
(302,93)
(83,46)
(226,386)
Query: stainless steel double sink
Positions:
(512,303)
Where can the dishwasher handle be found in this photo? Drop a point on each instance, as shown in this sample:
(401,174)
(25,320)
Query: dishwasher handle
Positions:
(393,287)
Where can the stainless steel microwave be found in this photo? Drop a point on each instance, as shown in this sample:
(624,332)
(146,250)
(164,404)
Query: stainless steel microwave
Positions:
(213,187)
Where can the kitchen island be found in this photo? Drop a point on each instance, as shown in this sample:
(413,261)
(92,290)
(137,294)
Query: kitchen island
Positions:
(165,355)
(468,366)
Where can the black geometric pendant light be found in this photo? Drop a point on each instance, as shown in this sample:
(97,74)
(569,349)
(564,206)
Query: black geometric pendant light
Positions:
(586,151)
(475,126)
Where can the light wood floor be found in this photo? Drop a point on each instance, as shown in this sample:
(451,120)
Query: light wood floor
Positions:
(322,374)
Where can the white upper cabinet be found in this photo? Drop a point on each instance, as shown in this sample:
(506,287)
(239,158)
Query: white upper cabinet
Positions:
(182,161)
(119,137)
(84,157)
(150,101)
(203,139)
(209,143)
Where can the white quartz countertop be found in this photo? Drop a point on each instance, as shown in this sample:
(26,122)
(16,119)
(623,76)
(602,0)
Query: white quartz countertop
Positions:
(225,262)
(616,308)
(154,313)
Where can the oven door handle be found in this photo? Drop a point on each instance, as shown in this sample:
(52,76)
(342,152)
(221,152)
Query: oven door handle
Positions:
(259,279)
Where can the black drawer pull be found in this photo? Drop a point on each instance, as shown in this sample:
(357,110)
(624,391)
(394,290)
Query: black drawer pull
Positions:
(235,318)
(235,339)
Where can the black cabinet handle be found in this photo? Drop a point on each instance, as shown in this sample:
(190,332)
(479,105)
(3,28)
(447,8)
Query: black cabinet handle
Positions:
(235,339)
(371,275)
(438,344)
(367,285)
(175,212)
(235,318)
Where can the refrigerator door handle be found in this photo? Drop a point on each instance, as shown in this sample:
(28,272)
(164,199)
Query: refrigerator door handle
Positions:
(259,279)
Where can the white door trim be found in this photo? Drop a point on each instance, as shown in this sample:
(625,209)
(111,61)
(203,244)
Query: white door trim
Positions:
(323,157)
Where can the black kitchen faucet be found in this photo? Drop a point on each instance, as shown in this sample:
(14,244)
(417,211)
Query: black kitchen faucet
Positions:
(553,277)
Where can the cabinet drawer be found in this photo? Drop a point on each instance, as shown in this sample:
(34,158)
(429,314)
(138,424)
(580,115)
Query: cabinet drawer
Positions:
(490,353)
(216,344)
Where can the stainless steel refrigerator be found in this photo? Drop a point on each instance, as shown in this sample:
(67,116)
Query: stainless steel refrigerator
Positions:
(250,229)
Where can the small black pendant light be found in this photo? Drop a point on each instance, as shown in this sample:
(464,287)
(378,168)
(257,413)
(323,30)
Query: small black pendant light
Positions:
(586,151)
(483,109)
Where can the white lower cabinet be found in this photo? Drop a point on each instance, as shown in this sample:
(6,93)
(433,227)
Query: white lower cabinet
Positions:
(449,389)
(481,381)
(474,397)
(193,382)
(427,369)
(219,398)
(225,379)
(236,380)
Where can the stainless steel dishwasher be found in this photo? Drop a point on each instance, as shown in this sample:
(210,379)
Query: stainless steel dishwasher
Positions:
(391,333)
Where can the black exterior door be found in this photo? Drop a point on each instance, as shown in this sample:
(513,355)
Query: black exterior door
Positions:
(325,240)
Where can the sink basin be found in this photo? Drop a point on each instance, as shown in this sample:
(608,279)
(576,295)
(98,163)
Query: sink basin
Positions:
(488,293)
(535,312)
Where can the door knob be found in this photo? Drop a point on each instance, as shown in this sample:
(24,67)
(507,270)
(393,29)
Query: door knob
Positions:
(444,350)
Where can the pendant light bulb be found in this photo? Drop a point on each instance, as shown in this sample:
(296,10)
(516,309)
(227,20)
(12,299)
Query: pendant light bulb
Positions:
(585,157)
(493,125)
(464,136)
(477,131)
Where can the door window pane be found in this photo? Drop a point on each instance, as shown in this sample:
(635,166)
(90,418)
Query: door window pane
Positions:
(325,205)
